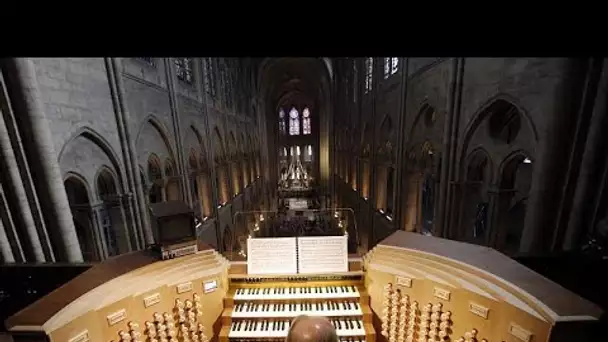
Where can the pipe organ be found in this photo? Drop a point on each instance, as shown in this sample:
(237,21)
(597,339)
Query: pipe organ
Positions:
(409,288)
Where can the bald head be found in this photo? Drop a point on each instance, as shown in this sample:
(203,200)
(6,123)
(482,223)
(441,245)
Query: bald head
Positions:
(311,329)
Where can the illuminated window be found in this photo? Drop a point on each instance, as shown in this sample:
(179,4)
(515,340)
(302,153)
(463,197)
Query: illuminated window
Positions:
(282,122)
(391,66)
(183,69)
(308,154)
(294,122)
(394,65)
(387,67)
(306,122)
(369,71)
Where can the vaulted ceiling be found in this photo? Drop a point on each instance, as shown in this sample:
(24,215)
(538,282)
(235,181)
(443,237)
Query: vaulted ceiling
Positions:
(293,81)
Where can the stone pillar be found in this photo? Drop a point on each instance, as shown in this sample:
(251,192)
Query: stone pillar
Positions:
(5,247)
(141,223)
(123,216)
(128,199)
(7,157)
(179,146)
(26,98)
(98,227)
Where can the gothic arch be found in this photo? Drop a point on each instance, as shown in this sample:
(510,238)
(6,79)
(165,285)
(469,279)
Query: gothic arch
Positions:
(200,140)
(218,143)
(425,112)
(79,199)
(516,156)
(234,145)
(105,182)
(99,142)
(193,162)
(483,113)
(386,126)
(161,130)
(75,177)
(154,167)
(474,160)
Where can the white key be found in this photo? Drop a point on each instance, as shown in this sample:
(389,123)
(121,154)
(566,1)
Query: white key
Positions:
(327,292)
(287,310)
(264,328)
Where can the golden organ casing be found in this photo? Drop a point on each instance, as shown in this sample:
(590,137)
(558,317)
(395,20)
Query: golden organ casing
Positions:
(408,288)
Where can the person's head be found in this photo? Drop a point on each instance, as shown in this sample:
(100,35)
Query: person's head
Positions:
(311,329)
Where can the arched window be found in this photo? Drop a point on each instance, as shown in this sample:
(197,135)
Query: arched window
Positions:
(391,66)
(282,122)
(294,122)
(369,71)
(308,153)
(306,121)
(183,69)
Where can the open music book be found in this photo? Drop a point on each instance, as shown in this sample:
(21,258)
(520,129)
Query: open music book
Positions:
(304,255)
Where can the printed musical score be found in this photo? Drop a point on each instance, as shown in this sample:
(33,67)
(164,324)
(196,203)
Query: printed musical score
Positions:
(272,256)
(322,254)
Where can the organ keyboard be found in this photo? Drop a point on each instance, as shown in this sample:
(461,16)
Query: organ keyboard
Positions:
(409,288)
(262,308)
(279,293)
(272,310)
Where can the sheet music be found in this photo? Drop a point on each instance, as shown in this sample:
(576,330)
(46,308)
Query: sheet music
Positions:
(323,254)
(272,256)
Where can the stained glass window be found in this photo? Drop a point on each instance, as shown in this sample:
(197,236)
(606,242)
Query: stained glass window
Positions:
(394,65)
(294,122)
(183,69)
(282,122)
(369,71)
(387,67)
(306,129)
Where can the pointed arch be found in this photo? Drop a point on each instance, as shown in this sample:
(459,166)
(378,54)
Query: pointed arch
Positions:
(154,168)
(199,138)
(234,147)
(426,114)
(478,166)
(77,179)
(99,141)
(484,112)
(509,165)
(193,162)
(160,128)
(105,183)
(386,125)
(218,143)
(169,167)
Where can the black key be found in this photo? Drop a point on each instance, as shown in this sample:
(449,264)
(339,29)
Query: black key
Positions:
(358,324)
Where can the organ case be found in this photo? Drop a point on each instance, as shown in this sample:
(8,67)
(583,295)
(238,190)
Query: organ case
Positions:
(408,288)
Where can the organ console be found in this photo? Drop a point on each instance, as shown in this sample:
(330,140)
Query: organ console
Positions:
(409,288)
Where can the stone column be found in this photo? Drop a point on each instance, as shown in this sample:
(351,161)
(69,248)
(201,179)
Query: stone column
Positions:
(123,216)
(141,220)
(179,146)
(26,98)
(7,157)
(128,199)
(5,247)
(98,227)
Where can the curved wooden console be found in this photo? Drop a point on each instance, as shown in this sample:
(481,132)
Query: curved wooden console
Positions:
(409,288)
(489,296)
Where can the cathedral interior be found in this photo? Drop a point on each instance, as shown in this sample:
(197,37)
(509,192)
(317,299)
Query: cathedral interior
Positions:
(487,176)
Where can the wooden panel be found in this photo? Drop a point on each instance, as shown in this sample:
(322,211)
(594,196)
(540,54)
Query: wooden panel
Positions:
(559,299)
